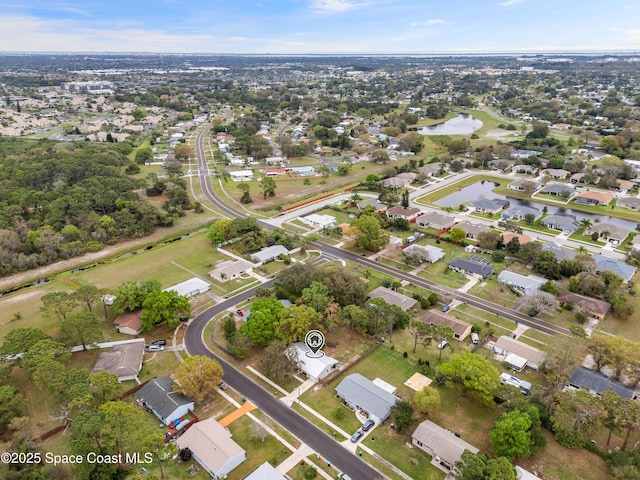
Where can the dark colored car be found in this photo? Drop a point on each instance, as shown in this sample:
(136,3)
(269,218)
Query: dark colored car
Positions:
(368,425)
(357,436)
(159,342)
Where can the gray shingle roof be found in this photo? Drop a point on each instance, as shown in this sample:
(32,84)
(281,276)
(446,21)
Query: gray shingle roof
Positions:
(564,222)
(361,391)
(158,394)
(582,377)
(441,442)
(473,267)
(560,252)
(612,265)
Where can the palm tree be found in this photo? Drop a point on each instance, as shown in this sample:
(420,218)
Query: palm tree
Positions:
(586,224)
(582,250)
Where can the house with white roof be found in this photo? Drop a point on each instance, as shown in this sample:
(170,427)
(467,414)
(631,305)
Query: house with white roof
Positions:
(241,175)
(526,284)
(319,221)
(268,254)
(189,288)
(314,368)
(443,445)
(230,269)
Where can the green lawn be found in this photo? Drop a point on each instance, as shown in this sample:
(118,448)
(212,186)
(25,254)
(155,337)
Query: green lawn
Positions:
(324,401)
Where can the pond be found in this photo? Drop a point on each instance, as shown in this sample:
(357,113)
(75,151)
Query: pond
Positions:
(484,190)
(463,124)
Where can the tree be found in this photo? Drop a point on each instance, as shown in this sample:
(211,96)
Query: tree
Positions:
(475,374)
(317,296)
(12,405)
(457,235)
(546,264)
(268,186)
(164,307)
(294,323)
(278,361)
(380,156)
(427,399)
(439,334)
(161,450)
(513,246)
(479,467)
(488,240)
(130,295)
(575,415)
(402,415)
(59,304)
(21,340)
(88,294)
(122,423)
(345,286)
(420,332)
(239,345)
(144,155)
(371,236)
(261,324)
(198,377)
(385,317)
(511,437)
(104,386)
(599,349)
(244,188)
(81,328)
(183,153)
(355,317)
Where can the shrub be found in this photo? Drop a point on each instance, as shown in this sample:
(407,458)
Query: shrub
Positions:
(581,317)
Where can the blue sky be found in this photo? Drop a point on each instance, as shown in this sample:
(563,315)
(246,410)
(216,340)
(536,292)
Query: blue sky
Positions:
(319,26)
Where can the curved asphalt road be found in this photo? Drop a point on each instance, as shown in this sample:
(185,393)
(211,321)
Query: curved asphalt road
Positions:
(288,418)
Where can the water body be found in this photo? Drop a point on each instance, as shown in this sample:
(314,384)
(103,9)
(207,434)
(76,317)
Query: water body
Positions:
(484,190)
(463,124)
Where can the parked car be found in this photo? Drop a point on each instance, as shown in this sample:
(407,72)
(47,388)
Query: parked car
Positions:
(223,386)
(446,308)
(442,344)
(357,436)
(159,342)
(155,348)
(368,425)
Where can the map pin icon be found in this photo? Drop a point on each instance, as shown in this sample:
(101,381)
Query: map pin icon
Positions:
(315,341)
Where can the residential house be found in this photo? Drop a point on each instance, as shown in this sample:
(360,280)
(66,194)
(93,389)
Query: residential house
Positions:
(276,161)
(241,175)
(274,172)
(314,368)
(522,474)
(499,164)
(426,253)
(433,169)
(268,254)
(461,329)
(472,229)
(576,178)
(557,173)
(618,267)
(469,267)
(401,212)
(594,197)
(566,223)
(128,323)
(393,298)
(523,154)
(526,284)
(266,472)
(319,221)
(522,239)
(372,202)
(489,205)
(588,305)
(624,185)
(526,169)
(435,220)
(560,252)
(158,396)
(595,383)
(189,288)
(230,269)
(518,212)
(521,185)
(395,183)
(558,190)
(123,360)
(361,394)
(506,346)
(306,171)
(410,176)
(632,203)
(444,446)
(212,447)
(613,233)
(635,243)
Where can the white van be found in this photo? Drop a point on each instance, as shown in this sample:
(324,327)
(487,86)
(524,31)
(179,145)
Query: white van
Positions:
(474,338)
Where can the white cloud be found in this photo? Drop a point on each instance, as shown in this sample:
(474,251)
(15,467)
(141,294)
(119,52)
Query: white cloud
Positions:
(336,6)
(508,3)
(428,23)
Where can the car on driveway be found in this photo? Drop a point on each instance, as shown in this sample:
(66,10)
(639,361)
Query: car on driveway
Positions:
(357,436)
(162,342)
(155,348)
(446,308)
(368,425)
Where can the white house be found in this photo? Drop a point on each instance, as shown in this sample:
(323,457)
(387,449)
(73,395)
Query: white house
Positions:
(241,175)
(267,254)
(189,288)
(315,368)
(230,269)
(319,221)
